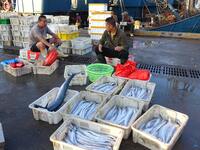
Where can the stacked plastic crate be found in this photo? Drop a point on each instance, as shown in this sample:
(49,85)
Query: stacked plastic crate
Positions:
(81,46)
(5,30)
(21,27)
(97,16)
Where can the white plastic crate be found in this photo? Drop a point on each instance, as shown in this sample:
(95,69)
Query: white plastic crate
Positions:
(58,136)
(45,70)
(1,44)
(16,28)
(18,44)
(25,39)
(28,20)
(67,44)
(4,27)
(65,50)
(17,38)
(81,43)
(120,83)
(132,79)
(6,38)
(60,19)
(25,28)
(64,28)
(79,79)
(45,115)
(6,33)
(96,36)
(27,69)
(121,102)
(82,51)
(14,21)
(7,43)
(148,140)
(23,53)
(16,33)
(25,34)
(148,85)
(87,96)
(25,45)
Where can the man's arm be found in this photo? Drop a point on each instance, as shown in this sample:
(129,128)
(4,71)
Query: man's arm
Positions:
(41,38)
(51,33)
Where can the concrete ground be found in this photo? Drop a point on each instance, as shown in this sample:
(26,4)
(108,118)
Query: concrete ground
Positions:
(22,132)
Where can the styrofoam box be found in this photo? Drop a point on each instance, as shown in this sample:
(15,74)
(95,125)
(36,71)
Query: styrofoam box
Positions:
(148,140)
(25,44)
(18,44)
(46,70)
(81,43)
(81,51)
(17,38)
(18,71)
(121,102)
(58,136)
(149,85)
(86,96)
(98,23)
(97,30)
(97,7)
(79,79)
(14,21)
(120,83)
(44,114)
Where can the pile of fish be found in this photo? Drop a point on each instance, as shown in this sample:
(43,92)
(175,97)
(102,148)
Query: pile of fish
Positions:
(160,128)
(84,109)
(120,115)
(138,92)
(106,87)
(88,139)
(58,101)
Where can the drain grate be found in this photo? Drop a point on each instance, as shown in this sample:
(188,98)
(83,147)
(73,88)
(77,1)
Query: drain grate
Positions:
(77,59)
(194,74)
(152,68)
(171,70)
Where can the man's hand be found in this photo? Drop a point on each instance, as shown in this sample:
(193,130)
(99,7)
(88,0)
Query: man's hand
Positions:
(118,48)
(51,47)
(100,47)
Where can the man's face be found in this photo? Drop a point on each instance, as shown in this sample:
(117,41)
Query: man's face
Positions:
(109,27)
(42,23)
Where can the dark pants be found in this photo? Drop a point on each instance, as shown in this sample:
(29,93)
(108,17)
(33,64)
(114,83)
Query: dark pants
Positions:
(111,53)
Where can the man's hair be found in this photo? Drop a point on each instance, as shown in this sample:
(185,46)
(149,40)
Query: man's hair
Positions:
(41,17)
(111,21)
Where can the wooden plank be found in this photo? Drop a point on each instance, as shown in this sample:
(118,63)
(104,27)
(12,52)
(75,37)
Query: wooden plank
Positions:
(182,35)
(2,139)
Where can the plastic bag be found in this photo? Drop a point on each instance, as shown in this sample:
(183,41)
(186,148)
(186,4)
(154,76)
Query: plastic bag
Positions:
(51,57)
(140,74)
(126,69)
